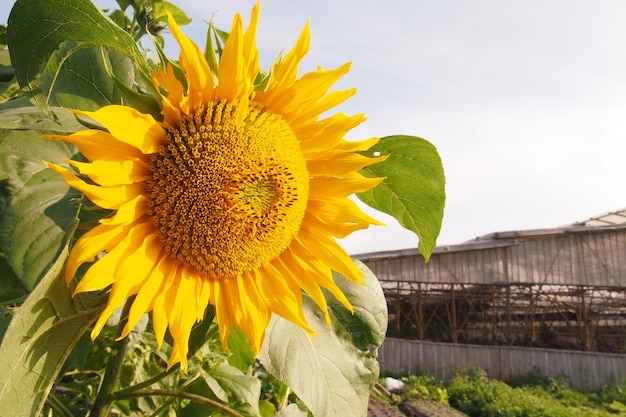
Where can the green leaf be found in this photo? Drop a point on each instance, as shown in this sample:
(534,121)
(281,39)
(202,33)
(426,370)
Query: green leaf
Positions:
(37,203)
(36,28)
(88,78)
(160,14)
(11,288)
(30,118)
(244,390)
(6,70)
(9,87)
(39,339)
(242,356)
(3,36)
(331,373)
(227,385)
(413,190)
(291,410)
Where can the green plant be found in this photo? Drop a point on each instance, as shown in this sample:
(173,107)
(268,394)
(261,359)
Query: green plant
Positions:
(424,386)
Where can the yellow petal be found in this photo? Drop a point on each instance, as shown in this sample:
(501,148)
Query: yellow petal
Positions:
(182,314)
(157,281)
(325,248)
(160,304)
(338,217)
(193,63)
(356,146)
(225,300)
(340,163)
(325,134)
(111,173)
(130,126)
(171,110)
(279,297)
(324,274)
(307,98)
(96,144)
(203,292)
(250,52)
(341,186)
(286,71)
(129,212)
(105,197)
(100,238)
(234,83)
(301,273)
(316,109)
(131,274)
(256,315)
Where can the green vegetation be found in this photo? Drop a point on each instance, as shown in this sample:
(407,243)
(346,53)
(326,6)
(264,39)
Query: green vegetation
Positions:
(533,395)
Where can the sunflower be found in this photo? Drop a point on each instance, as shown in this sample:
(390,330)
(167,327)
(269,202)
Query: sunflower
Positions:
(234,197)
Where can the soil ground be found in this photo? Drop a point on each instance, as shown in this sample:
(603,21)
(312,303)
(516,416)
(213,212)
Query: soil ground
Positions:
(418,408)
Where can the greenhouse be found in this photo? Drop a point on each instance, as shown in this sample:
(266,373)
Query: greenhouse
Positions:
(561,288)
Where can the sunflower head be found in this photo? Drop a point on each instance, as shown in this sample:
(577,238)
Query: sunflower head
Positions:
(235,198)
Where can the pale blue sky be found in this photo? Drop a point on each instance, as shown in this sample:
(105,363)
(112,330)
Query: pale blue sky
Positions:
(525,100)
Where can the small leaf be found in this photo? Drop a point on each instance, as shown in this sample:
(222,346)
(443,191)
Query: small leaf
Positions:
(242,356)
(244,390)
(160,14)
(227,385)
(329,373)
(413,190)
(36,28)
(39,339)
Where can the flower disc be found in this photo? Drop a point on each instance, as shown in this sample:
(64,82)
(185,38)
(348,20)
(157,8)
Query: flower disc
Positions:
(228,189)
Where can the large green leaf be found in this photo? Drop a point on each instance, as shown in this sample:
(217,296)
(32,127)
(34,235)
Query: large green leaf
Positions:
(36,205)
(11,288)
(30,118)
(38,340)
(413,190)
(85,78)
(333,372)
(36,29)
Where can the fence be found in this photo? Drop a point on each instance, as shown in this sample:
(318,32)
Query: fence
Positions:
(585,370)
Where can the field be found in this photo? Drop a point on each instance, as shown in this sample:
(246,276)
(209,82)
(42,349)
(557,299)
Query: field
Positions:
(470,392)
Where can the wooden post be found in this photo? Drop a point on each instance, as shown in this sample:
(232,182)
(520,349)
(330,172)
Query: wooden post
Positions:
(586,328)
(509,329)
(398,309)
(533,324)
(453,324)
(420,312)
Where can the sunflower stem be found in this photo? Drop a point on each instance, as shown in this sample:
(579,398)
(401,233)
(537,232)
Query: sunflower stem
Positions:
(128,390)
(55,404)
(187,396)
(285,400)
(104,399)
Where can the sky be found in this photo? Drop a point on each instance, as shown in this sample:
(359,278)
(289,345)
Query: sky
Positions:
(525,100)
